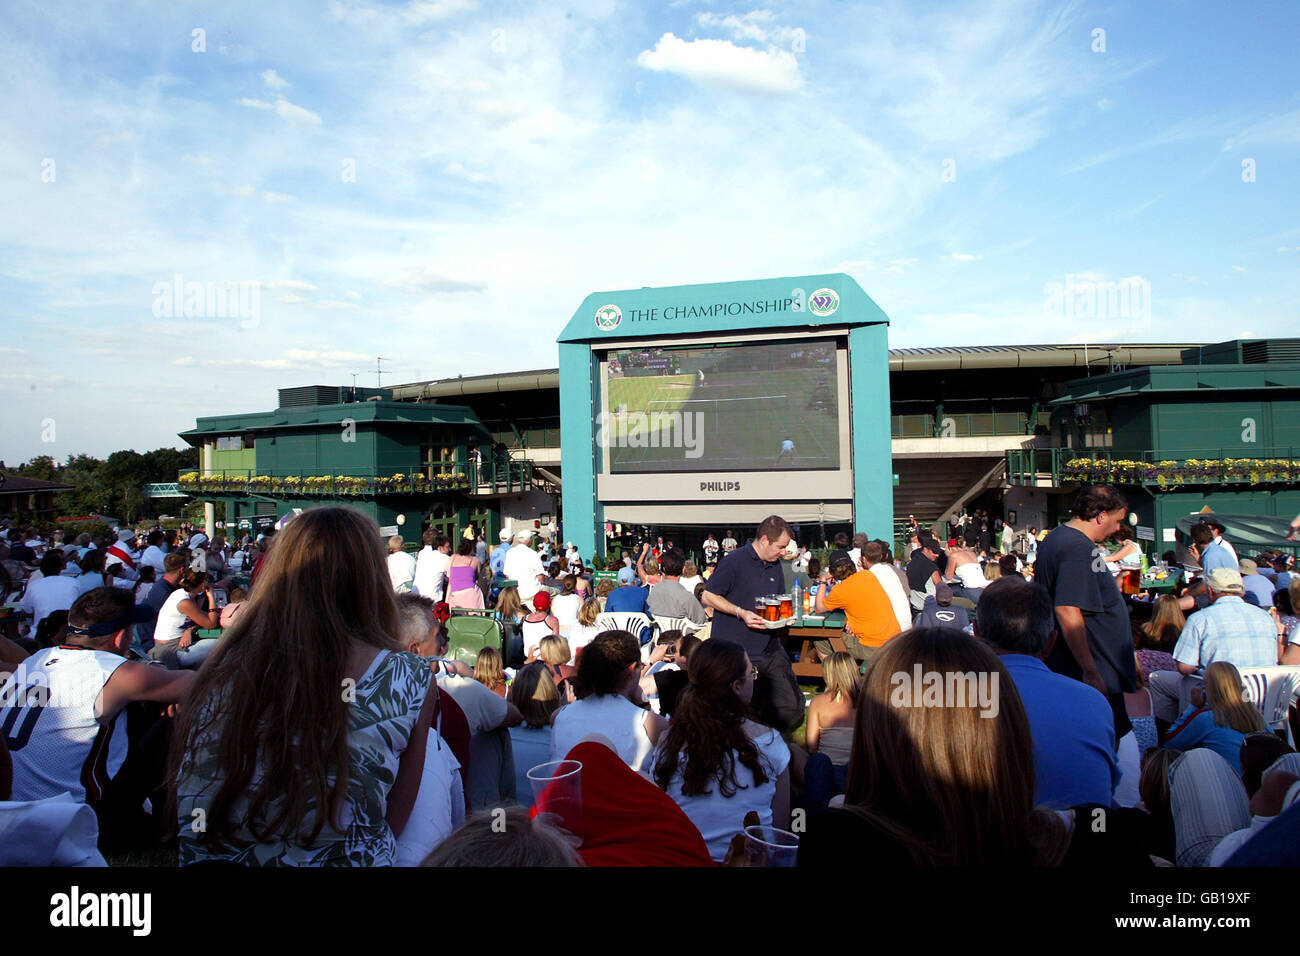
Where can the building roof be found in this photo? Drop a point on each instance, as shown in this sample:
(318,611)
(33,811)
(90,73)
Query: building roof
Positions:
(389,413)
(19,485)
(900,360)
(1208,380)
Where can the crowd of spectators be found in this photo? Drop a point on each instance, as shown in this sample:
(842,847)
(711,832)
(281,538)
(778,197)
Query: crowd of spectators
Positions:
(321,713)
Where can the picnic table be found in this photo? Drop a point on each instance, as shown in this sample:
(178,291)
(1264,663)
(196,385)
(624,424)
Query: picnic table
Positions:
(809,629)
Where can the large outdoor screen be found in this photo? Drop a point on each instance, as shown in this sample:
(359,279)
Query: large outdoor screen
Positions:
(722,408)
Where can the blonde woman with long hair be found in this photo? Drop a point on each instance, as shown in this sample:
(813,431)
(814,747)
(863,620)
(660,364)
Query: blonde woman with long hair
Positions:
(510,613)
(582,632)
(952,785)
(1219,717)
(488,671)
(829,730)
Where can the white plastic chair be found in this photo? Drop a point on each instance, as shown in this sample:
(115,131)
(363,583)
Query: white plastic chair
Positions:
(634,622)
(1270,689)
(683,624)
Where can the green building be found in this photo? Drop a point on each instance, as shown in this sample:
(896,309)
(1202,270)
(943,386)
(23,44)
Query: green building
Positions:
(407,466)
(1221,431)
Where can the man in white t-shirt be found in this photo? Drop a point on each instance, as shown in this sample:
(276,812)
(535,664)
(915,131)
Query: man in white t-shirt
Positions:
(53,591)
(433,566)
(710,550)
(873,560)
(154,555)
(524,565)
(729,544)
(401,566)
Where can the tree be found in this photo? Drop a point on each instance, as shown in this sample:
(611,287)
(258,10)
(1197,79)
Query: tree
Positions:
(42,467)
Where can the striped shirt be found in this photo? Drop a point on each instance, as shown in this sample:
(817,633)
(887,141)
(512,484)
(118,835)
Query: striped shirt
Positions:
(1228,630)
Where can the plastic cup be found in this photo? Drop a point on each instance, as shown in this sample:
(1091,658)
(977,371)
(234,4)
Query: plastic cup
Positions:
(770,846)
(557,790)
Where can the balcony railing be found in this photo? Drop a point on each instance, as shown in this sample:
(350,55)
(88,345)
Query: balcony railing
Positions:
(1164,469)
(965,425)
(468,478)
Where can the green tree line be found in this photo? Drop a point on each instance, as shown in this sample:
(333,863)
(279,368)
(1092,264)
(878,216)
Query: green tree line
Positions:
(114,486)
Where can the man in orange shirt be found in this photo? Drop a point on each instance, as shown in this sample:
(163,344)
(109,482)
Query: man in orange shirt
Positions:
(870,614)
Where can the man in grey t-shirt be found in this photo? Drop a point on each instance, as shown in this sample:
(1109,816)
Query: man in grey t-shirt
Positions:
(668,598)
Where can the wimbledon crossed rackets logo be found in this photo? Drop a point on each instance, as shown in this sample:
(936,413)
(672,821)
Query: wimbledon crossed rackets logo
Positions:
(823,302)
(608,317)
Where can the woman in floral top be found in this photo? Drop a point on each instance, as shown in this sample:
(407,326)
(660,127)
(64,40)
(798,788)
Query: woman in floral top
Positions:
(303,739)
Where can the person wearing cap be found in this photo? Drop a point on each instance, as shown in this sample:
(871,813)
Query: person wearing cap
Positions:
(524,565)
(66,730)
(1259,589)
(631,596)
(497,559)
(939,611)
(1228,629)
(923,574)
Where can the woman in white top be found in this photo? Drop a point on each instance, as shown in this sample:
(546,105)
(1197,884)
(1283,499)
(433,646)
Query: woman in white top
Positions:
(1127,555)
(566,604)
(715,762)
(541,623)
(608,686)
(690,576)
(173,641)
(584,630)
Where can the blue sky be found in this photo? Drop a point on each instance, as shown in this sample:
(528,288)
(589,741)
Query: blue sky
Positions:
(443,181)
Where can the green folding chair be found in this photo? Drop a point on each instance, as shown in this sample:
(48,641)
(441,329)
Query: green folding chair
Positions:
(469,634)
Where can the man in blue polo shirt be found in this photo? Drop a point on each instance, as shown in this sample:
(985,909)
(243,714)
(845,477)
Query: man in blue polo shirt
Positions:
(745,574)
(1075,759)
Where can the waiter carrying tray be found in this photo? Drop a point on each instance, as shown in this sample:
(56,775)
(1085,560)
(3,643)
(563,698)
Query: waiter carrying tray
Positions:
(747,573)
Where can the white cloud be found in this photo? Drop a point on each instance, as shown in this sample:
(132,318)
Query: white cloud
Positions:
(1105,104)
(757,25)
(960,257)
(422,11)
(1239,269)
(284,109)
(333,305)
(427,280)
(244,190)
(456,169)
(273,79)
(275,197)
(290,299)
(352,295)
(295,284)
(719,63)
